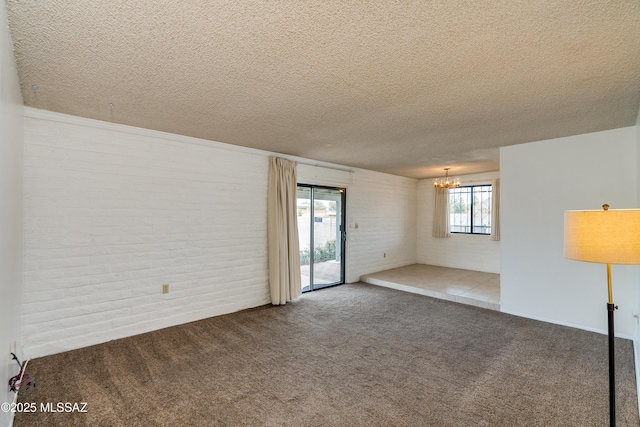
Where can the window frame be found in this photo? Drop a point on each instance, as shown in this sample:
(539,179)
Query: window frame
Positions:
(472,207)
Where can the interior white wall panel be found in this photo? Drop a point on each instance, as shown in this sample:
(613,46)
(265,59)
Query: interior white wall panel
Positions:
(539,182)
(11,161)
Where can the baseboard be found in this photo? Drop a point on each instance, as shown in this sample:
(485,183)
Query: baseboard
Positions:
(99,337)
(571,325)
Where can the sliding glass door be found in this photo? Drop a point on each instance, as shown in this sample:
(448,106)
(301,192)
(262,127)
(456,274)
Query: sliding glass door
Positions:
(321,212)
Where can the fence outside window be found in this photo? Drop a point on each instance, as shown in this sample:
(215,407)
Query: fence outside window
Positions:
(470,209)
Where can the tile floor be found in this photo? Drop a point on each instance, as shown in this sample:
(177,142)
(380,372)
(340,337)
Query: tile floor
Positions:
(323,273)
(463,286)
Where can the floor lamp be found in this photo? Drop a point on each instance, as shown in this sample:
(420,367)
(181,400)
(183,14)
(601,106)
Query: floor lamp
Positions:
(607,237)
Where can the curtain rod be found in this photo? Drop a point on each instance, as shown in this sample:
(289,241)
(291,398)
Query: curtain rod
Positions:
(478,180)
(337,168)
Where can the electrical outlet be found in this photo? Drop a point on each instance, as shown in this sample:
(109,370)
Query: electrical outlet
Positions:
(384,255)
(165,288)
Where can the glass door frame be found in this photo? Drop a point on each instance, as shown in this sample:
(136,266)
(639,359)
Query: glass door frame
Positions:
(343,235)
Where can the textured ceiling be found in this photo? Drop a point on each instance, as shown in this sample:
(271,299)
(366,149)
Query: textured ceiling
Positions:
(404,87)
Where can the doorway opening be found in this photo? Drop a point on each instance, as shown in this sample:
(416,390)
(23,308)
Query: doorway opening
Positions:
(321,213)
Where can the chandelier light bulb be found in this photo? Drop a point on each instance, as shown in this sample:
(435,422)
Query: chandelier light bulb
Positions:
(446,181)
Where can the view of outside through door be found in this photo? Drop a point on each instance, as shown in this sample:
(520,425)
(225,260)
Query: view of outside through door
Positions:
(320,227)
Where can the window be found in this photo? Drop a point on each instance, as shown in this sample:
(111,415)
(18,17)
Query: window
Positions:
(470,209)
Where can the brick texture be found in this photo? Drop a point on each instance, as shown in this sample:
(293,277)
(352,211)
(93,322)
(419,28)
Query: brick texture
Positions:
(113,212)
(111,215)
(466,251)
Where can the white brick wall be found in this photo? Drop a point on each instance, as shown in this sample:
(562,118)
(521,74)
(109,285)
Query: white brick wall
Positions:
(383,207)
(469,252)
(112,212)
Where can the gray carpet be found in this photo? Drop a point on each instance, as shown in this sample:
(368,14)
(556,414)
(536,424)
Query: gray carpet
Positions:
(352,355)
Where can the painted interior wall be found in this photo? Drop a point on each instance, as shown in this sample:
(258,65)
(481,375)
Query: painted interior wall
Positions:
(638,206)
(466,251)
(11,158)
(113,212)
(636,341)
(539,182)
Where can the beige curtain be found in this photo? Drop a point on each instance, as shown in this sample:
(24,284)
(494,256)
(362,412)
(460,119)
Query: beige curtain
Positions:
(495,209)
(282,232)
(441,213)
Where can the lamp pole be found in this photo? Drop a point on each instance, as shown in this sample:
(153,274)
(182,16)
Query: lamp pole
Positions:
(607,237)
(612,363)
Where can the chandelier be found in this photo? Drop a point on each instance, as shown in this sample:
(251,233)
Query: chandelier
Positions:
(446,181)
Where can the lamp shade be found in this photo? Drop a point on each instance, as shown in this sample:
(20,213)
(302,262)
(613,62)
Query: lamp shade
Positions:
(604,236)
